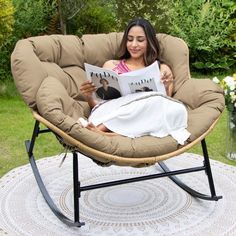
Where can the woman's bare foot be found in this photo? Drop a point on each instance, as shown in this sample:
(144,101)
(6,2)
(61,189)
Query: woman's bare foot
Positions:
(101,129)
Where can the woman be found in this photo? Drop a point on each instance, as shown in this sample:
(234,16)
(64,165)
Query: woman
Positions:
(142,113)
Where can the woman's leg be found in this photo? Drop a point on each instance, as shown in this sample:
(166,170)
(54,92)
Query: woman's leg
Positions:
(103,128)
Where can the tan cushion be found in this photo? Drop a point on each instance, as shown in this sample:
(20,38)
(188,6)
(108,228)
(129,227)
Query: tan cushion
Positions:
(175,53)
(99,48)
(54,103)
(71,77)
(27,71)
(204,100)
(64,50)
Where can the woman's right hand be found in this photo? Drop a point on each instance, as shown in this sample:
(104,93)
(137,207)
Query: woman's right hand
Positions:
(87,88)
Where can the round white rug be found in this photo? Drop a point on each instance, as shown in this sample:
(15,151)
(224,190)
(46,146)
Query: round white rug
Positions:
(153,207)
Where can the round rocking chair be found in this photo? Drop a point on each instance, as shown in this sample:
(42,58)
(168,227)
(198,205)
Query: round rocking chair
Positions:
(48,72)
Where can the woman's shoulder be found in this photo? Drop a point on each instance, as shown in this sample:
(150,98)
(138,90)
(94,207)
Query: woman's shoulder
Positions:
(110,64)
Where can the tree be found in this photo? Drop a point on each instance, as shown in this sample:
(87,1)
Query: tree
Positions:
(79,17)
(157,12)
(96,17)
(67,9)
(6,19)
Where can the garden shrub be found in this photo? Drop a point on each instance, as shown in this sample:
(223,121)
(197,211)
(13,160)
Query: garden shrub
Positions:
(208,28)
(5,53)
(6,28)
(30,19)
(6,20)
(95,17)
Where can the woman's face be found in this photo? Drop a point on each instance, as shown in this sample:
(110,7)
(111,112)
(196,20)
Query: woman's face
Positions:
(136,42)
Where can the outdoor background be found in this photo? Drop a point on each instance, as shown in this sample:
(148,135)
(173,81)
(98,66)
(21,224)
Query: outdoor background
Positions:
(208,27)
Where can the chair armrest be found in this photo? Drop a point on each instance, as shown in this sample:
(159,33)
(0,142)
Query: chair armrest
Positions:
(195,93)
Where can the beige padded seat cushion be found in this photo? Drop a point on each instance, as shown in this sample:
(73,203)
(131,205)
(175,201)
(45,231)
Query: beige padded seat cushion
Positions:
(48,71)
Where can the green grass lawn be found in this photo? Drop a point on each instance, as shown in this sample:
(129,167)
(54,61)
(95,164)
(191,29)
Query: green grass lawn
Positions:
(17,124)
(16,127)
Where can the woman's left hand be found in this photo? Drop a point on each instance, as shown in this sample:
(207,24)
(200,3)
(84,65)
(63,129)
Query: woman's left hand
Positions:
(166,75)
(167,78)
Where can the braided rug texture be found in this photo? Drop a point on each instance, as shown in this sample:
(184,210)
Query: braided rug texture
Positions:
(152,207)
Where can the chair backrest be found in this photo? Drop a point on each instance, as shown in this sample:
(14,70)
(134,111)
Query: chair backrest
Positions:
(63,57)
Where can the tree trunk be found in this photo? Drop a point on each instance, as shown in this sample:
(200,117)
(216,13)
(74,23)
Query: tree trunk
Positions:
(61,17)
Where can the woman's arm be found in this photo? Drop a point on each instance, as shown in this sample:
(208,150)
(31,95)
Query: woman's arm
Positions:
(167,79)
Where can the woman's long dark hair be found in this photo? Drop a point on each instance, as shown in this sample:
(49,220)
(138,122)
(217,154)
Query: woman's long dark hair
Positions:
(153,48)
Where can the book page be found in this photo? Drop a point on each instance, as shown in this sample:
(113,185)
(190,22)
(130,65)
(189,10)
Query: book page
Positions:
(105,80)
(146,79)
(111,85)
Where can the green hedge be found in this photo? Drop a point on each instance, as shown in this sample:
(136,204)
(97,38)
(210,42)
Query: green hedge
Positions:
(208,27)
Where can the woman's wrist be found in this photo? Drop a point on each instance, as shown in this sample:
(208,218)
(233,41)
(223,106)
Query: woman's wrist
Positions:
(169,89)
(91,101)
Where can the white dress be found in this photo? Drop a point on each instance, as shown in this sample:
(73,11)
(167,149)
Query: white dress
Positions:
(144,113)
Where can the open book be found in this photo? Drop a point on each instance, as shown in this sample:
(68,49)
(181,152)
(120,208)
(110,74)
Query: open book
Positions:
(111,85)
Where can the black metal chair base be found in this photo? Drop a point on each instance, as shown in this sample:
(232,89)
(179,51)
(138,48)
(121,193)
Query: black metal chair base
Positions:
(46,195)
(78,189)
